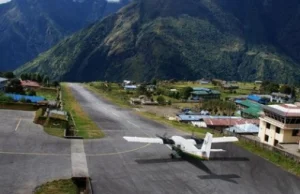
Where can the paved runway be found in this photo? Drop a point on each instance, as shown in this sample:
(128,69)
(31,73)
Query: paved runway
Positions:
(30,157)
(116,166)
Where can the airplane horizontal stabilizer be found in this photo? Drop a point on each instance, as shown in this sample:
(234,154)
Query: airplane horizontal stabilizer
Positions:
(144,139)
(224,139)
(217,150)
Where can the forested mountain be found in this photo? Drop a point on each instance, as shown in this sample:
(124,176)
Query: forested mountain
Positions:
(29,27)
(183,39)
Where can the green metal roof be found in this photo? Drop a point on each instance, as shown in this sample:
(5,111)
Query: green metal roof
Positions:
(250,104)
(252,111)
(204,91)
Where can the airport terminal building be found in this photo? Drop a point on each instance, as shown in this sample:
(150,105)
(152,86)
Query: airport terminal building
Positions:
(280,124)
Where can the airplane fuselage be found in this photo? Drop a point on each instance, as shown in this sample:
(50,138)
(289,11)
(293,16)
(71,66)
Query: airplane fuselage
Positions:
(185,155)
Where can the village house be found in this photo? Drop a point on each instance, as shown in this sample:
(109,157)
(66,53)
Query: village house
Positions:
(204,94)
(28,84)
(3,82)
(280,124)
(249,109)
(130,87)
(280,97)
(261,99)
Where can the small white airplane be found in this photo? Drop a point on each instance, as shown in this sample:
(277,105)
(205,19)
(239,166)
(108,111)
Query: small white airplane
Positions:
(182,146)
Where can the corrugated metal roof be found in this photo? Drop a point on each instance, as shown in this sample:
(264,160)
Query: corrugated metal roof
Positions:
(244,128)
(252,111)
(254,97)
(130,87)
(29,83)
(33,99)
(249,104)
(3,79)
(228,121)
(204,91)
(185,117)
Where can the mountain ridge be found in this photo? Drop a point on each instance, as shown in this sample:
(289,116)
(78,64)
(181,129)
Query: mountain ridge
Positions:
(29,27)
(178,39)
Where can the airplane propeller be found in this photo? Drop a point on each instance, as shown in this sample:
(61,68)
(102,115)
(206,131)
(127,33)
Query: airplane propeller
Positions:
(165,139)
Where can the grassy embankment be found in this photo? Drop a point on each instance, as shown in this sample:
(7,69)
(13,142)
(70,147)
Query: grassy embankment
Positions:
(66,186)
(48,93)
(117,95)
(84,125)
(276,158)
(245,88)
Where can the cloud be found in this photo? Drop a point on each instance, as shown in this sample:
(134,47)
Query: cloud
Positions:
(4,1)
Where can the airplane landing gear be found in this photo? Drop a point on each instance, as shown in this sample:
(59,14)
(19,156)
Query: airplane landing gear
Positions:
(174,155)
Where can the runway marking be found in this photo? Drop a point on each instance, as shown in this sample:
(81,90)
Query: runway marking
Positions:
(121,152)
(55,154)
(133,124)
(78,159)
(115,114)
(18,124)
(34,154)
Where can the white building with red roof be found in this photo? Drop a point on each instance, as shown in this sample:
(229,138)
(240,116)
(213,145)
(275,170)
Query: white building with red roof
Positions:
(280,124)
(30,84)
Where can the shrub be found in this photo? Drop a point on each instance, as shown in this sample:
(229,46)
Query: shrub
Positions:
(23,100)
(31,93)
(38,114)
(4,98)
(161,100)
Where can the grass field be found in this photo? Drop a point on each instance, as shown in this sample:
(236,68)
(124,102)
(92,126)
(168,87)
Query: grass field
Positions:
(49,94)
(58,132)
(84,125)
(65,186)
(117,94)
(245,88)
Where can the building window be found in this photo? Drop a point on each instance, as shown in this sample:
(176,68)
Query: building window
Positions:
(275,142)
(295,132)
(266,138)
(268,126)
(278,130)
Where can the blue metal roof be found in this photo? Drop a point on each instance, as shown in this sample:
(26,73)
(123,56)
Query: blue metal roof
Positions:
(130,87)
(184,117)
(201,89)
(18,97)
(254,97)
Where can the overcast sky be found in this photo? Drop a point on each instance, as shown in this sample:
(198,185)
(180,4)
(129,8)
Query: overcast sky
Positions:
(4,1)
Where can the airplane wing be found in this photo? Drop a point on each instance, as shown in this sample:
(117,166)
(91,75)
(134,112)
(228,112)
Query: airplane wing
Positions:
(224,139)
(144,139)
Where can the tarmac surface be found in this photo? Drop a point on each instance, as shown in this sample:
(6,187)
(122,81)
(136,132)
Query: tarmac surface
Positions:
(116,166)
(30,157)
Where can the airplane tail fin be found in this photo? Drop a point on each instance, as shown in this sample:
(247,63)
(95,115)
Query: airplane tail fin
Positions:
(206,146)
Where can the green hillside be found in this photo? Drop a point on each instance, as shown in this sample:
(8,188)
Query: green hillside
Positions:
(181,39)
(29,27)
